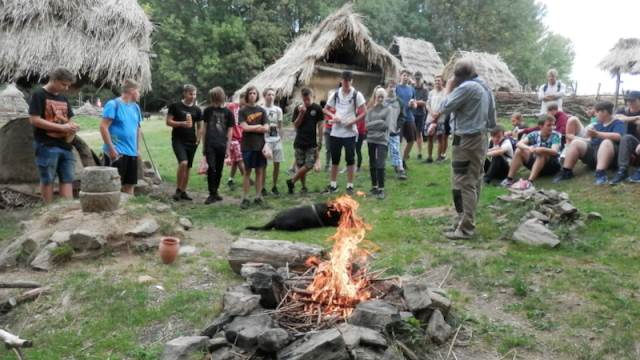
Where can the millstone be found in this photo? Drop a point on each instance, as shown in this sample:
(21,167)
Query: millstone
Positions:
(99,202)
(99,179)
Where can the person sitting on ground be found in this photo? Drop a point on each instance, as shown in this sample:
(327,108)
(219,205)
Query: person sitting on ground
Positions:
(551,92)
(517,124)
(560,116)
(394,135)
(629,151)
(307,119)
(538,151)
(274,136)
(185,119)
(51,116)
(379,120)
(600,152)
(253,120)
(500,154)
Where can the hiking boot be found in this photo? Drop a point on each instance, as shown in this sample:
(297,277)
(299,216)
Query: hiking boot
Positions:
(245,204)
(349,190)
(374,191)
(264,192)
(635,178)
(457,235)
(506,183)
(217,197)
(330,189)
(380,194)
(290,187)
(274,191)
(402,175)
(563,176)
(620,176)
(184,196)
(210,200)
(177,196)
(304,190)
(258,201)
(601,177)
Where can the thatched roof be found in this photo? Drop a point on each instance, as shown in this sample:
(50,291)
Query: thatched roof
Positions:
(623,57)
(103,41)
(417,55)
(12,104)
(489,67)
(296,67)
(88,109)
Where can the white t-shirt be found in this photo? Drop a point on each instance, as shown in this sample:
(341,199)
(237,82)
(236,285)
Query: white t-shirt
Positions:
(557,89)
(345,111)
(274,119)
(435,100)
(508,150)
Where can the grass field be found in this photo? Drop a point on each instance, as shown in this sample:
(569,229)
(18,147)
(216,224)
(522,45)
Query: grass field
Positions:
(578,301)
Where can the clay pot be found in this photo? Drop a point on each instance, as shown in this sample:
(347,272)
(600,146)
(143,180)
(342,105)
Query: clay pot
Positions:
(169,247)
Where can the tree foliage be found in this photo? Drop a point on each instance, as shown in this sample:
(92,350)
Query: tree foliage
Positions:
(226,42)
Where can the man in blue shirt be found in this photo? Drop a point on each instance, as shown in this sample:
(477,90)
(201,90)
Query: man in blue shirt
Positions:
(120,130)
(601,151)
(407,95)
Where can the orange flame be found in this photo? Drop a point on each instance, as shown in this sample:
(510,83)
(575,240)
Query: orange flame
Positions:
(340,283)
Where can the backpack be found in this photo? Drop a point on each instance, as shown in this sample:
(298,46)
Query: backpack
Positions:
(546,86)
(354,98)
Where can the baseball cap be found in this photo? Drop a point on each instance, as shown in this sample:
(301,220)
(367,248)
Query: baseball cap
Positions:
(347,75)
(632,95)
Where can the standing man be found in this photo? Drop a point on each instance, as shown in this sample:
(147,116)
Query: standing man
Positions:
(552,91)
(473,105)
(253,120)
(274,136)
(307,119)
(420,111)
(120,130)
(185,117)
(53,131)
(407,95)
(350,107)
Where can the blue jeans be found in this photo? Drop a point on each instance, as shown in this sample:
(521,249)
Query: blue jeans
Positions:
(394,151)
(52,161)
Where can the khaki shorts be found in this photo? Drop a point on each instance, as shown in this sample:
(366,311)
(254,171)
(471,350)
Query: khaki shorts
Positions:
(276,149)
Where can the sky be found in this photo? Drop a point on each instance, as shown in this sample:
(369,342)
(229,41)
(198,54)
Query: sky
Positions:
(594,26)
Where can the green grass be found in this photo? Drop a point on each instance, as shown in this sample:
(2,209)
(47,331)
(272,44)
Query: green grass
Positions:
(576,301)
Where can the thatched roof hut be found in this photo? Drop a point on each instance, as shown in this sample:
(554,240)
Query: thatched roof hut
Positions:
(12,104)
(489,67)
(316,59)
(102,41)
(624,57)
(417,55)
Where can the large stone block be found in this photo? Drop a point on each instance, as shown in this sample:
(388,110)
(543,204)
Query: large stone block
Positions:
(100,179)
(99,202)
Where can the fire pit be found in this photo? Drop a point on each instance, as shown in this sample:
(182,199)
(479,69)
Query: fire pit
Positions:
(333,307)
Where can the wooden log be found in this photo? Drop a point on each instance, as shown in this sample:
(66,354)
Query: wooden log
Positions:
(13,341)
(20,284)
(30,295)
(274,252)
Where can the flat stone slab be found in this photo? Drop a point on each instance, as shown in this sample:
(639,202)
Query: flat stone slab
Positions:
(323,345)
(374,314)
(244,331)
(533,232)
(84,239)
(416,295)
(145,227)
(357,335)
(184,347)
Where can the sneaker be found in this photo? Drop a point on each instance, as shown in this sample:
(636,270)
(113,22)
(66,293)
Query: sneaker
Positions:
(620,176)
(374,191)
(402,175)
(177,196)
(349,190)
(304,190)
(419,156)
(404,165)
(564,175)
(506,182)
(429,161)
(230,183)
(331,189)
(210,200)
(290,186)
(217,197)
(441,158)
(522,184)
(245,204)
(186,197)
(635,178)
(258,201)
(380,195)
(274,191)
(264,192)
(601,177)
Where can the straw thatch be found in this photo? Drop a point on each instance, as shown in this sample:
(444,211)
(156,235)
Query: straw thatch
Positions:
(102,41)
(417,55)
(489,67)
(342,29)
(624,57)
(88,109)
(12,104)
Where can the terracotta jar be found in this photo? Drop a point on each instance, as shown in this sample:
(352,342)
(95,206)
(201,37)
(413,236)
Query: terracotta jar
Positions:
(168,249)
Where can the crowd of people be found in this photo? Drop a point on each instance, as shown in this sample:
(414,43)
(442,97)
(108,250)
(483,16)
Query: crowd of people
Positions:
(248,135)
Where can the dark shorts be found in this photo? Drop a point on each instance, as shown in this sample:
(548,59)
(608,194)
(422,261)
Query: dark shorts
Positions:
(420,119)
(349,145)
(590,158)
(184,151)
(52,161)
(409,132)
(551,167)
(306,157)
(127,168)
(254,159)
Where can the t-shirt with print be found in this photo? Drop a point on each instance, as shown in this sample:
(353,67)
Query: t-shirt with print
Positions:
(53,108)
(274,119)
(179,112)
(535,139)
(252,115)
(422,94)
(217,121)
(632,128)
(345,110)
(125,121)
(406,93)
(306,133)
(506,146)
(615,126)
(436,98)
